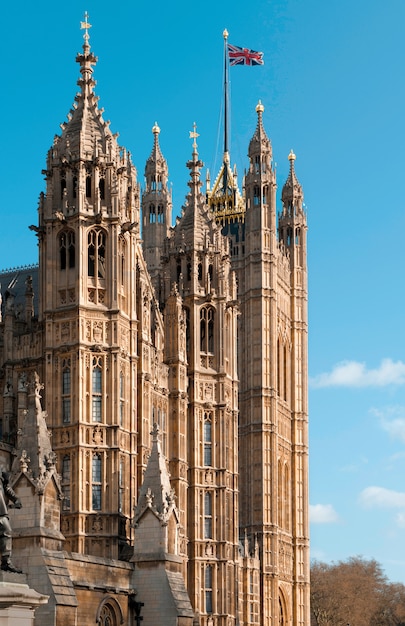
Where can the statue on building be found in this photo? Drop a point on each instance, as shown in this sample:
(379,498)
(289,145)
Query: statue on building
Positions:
(6,494)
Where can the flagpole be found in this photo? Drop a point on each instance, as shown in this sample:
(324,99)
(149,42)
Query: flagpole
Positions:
(225,34)
(226,103)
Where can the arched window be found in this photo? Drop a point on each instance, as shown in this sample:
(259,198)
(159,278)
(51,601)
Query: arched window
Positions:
(96,390)
(74,181)
(96,483)
(107,618)
(207,439)
(256,195)
(281,620)
(287,504)
(67,255)
(66,389)
(152,214)
(200,271)
(160,214)
(188,343)
(101,186)
(96,253)
(208,515)
(88,186)
(285,381)
(66,482)
(122,399)
(257,163)
(208,588)
(62,187)
(280,499)
(121,485)
(278,368)
(207,330)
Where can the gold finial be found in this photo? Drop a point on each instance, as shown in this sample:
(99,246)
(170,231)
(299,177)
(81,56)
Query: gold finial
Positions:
(225,34)
(291,156)
(156,129)
(194,135)
(259,107)
(85,25)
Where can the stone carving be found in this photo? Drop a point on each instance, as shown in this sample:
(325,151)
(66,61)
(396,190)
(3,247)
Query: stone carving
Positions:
(6,494)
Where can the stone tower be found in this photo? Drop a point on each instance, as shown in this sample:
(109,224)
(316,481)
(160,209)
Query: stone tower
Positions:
(156,211)
(103,336)
(269,260)
(198,278)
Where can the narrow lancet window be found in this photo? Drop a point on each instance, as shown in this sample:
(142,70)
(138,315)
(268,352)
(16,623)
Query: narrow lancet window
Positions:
(96,253)
(207,440)
(96,389)
(96,483)
(88,186)
(208,515)
(66,390)
(66,482)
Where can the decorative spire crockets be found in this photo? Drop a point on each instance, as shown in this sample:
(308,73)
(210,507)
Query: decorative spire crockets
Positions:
(156,493)
(86,60)
(292,190)
(34,454)
(156,170)
(260,142)
(85,134)
(292,219)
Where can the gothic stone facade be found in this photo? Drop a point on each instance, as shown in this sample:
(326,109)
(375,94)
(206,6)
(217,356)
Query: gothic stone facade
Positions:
(196,333)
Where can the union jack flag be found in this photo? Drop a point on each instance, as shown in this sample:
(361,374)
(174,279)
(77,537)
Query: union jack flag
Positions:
(244,56)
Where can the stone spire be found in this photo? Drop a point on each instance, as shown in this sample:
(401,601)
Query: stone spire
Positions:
(260,141)
(292,190)
(292,223)
(157,575)
(156,493)
(196,221)
(85,134)
(156,163)
(156,211)
(35,457)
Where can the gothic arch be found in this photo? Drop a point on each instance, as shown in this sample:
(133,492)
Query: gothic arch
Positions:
(282,609)
(66,243)
(109,613)
(96,253)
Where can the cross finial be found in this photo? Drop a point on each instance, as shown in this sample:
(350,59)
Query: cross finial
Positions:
(194,135)
(85,25)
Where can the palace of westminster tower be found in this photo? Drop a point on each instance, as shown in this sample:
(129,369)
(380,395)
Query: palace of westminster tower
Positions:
(153,388)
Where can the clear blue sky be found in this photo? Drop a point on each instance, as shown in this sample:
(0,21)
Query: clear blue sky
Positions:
(333,90)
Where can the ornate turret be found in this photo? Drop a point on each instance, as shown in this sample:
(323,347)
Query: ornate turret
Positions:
(292,191)
(260,180)
(260,143)
(156,210)
(292,219)
(200,290)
